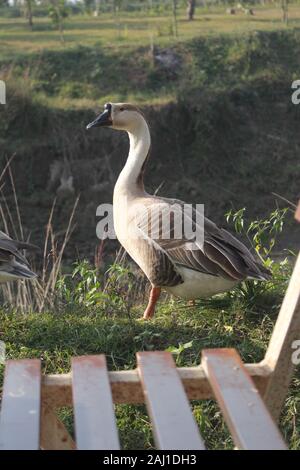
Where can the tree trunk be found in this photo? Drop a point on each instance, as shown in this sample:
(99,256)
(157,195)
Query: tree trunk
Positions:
(284,6)
(191,5)
(61,29)
(97,8)
(29,13)
(175,27)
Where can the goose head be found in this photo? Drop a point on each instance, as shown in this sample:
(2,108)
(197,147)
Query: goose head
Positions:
(120,116)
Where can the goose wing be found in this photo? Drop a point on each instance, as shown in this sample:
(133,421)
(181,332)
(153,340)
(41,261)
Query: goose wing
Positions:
(218,253)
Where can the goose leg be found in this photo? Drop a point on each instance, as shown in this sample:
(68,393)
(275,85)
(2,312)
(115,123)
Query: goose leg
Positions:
(153,298)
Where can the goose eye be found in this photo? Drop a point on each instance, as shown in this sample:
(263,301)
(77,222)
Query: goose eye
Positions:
(122,109)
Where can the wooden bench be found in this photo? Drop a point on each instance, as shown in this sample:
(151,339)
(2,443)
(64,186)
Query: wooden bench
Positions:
(250,396)
(28,419)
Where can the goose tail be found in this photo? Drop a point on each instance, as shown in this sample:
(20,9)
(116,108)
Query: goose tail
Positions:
(261,273)
(22,271)
(15,270)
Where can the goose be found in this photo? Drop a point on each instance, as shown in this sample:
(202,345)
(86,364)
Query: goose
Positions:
(181,266)
(13,265)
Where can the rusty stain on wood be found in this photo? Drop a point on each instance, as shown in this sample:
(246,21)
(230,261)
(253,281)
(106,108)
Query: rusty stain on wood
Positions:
(297,213)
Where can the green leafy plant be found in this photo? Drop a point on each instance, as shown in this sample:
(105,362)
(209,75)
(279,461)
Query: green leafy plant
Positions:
(148,340)
(87,287)
(119,287)
(177,351)
(263,235)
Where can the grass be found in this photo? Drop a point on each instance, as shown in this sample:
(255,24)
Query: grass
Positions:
(94,64)
(129,28)
(221,322)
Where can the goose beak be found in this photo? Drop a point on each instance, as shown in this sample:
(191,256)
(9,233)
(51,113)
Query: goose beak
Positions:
(103,120)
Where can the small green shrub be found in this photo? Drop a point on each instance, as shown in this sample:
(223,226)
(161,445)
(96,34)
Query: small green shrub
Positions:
(263,235)
(82,287)
(263,232)
(88,287)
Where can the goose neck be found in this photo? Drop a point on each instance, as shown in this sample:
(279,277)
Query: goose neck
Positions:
(131,177)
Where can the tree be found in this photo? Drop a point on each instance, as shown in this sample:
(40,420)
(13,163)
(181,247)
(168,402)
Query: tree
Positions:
(88,6)
(284,7)
(58,12)
(191,5)
(4,3)
(97,7)
(175,25)
(28,12)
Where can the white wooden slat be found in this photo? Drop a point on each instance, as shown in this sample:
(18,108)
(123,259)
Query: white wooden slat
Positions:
(21,404)
(173,422)
(95,425)
(287,330)
(245,413)
(279,353)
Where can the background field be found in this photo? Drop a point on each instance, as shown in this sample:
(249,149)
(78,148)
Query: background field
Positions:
(225,133)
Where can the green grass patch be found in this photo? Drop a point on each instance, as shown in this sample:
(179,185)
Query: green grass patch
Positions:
(185,330)
(127,28)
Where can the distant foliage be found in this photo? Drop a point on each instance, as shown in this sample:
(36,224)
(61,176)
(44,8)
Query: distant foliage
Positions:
(89,5)
(58,12)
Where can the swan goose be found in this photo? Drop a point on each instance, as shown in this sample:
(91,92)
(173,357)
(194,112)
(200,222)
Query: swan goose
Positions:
(13,265)
(214,266)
